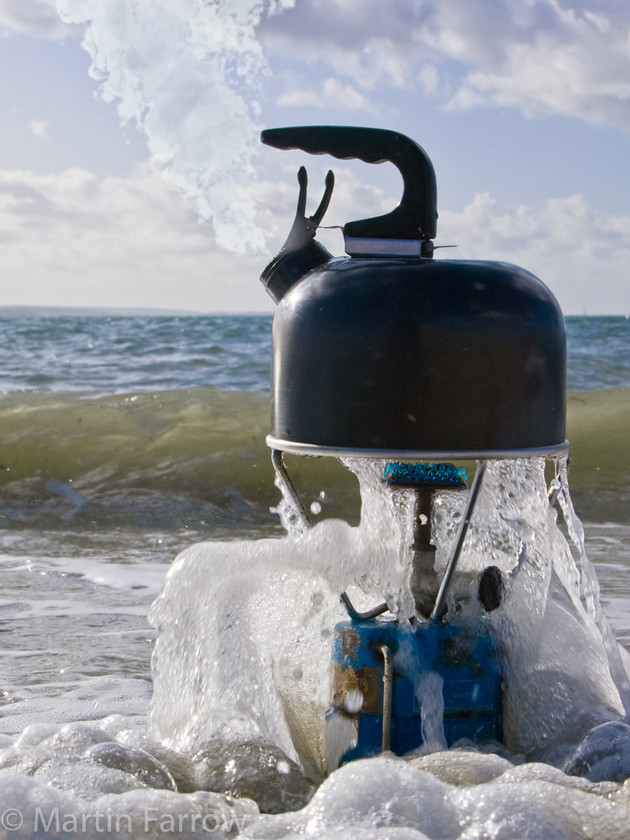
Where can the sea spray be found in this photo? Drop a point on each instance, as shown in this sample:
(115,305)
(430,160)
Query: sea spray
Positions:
(589,589)
(251,650)
(188,73)
(558,678)
(245,628)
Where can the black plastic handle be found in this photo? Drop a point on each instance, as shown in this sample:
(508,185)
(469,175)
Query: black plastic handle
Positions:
(416,215)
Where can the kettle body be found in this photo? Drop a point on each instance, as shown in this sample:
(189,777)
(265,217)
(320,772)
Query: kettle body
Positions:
(409,355)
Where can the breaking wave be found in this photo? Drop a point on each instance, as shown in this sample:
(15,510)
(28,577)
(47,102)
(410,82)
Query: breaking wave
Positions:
(197,457)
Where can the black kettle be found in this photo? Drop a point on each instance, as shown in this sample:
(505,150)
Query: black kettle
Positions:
(388,353)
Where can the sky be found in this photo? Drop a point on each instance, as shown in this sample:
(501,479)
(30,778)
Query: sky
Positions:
(131,173)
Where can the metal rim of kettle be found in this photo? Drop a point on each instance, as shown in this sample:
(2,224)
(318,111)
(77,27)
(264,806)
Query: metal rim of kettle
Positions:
(313,450)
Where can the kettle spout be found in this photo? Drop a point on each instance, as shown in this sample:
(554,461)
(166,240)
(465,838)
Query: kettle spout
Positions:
(301,252)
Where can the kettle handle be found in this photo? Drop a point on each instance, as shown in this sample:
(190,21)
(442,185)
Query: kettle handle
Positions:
(416,215)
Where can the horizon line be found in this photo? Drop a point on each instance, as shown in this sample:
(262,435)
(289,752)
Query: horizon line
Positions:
(16,310)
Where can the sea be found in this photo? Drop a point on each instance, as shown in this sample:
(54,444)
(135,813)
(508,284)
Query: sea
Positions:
(141,536)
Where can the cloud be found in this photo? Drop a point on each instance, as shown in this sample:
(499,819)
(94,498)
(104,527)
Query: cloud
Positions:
(333,94)
(367,41)
(576,63)
(78,240)
(38,18)
(582,255)
(539,56)
(39,128)
(343,97)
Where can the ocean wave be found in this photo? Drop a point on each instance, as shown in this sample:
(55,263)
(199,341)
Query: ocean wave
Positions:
(197,458)
(598,424)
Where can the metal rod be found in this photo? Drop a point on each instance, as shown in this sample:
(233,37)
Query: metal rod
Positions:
(288,487)
(388,684)
(362,616)
(555,489)
(461,536)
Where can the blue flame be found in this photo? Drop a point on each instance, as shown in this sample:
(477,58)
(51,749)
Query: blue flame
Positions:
(439,475)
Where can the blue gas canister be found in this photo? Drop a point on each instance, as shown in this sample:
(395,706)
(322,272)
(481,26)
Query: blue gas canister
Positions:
(379,681)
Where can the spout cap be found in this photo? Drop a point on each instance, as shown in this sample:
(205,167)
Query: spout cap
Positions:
(289,266)
(301,252)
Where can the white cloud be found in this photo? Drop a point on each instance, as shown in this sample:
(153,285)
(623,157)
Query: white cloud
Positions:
(540,56)
(429,78)
(298,98)
(38,18)
(343,97)
(332,94)
(577,65)
(39,128)
(583,256)
(77,240)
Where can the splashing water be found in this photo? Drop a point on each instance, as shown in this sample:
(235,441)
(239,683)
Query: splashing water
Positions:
(245,628)
(589,588)
(189,73)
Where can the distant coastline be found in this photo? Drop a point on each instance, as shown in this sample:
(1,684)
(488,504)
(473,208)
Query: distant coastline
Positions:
(104,312)
(148,312)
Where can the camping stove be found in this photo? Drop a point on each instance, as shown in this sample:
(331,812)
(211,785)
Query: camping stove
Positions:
(387,354)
